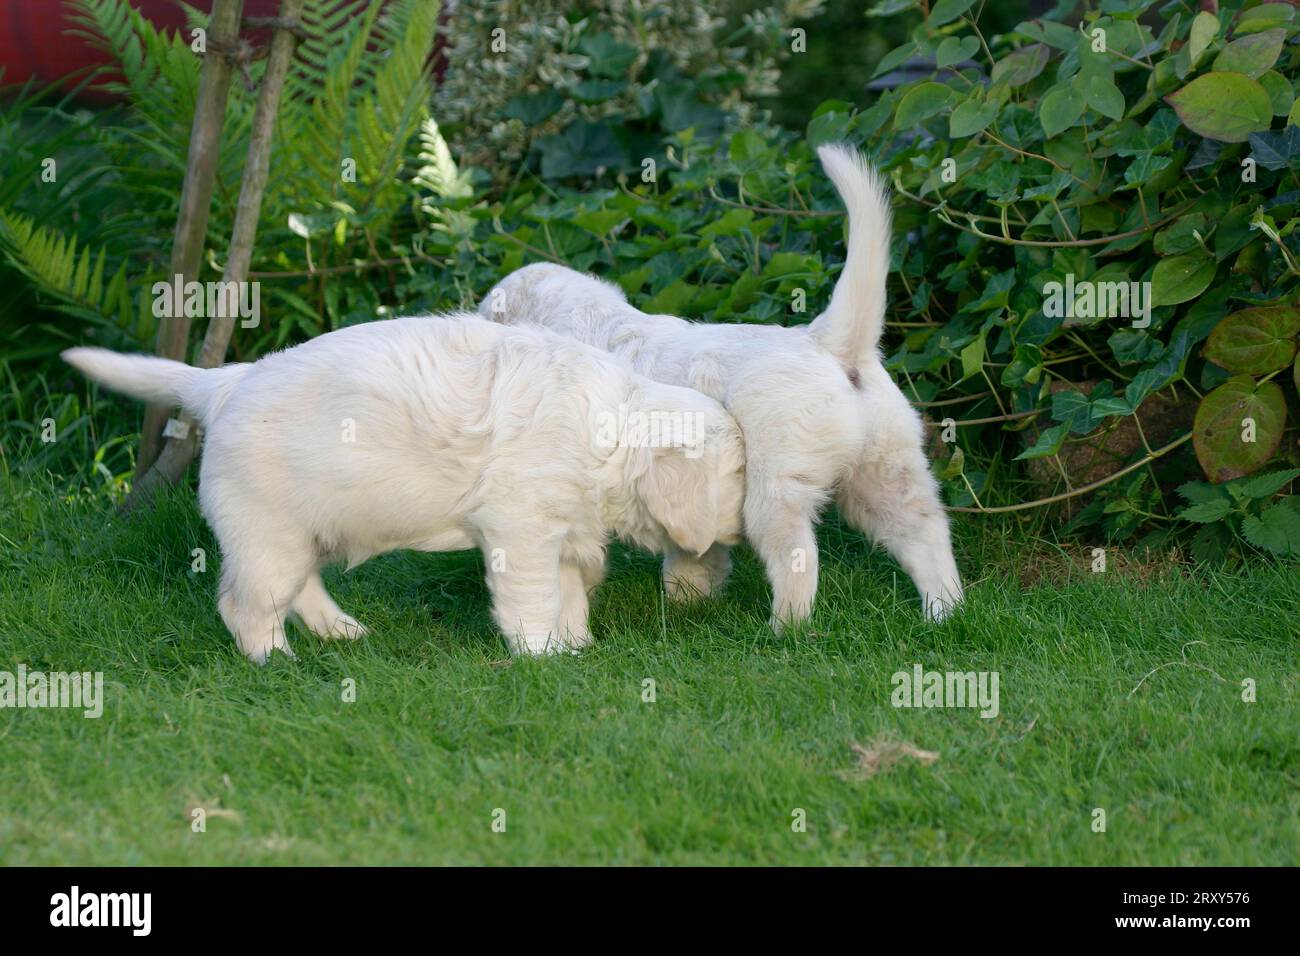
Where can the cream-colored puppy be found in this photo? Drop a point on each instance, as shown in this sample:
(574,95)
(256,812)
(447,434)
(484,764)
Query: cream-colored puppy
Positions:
(441,434)
(820,415)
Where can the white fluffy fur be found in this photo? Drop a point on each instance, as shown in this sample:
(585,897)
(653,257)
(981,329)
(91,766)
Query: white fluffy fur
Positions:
(820,415)
(464,434)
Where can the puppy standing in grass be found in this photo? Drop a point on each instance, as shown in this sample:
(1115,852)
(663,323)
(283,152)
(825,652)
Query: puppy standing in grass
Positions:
(440,434)
(820,414)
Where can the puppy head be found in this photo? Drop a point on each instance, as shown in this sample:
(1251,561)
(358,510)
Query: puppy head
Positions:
(687,469)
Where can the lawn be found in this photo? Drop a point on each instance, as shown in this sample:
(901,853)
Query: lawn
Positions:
(1120,691)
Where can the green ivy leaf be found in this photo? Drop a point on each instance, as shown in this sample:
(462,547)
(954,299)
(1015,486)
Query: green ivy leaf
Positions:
(728,224)
(1180,236)
(1220,435)
(582,149)
(1279,91)
(1133,345)
(954,466)
(1061,109)
(972,357)
(1058,35)
(1025,368)
(955,49)
(607,56)
(1255,341)
(1276,150)
(1049,442)
(896,57)
(672,299)
(1018,68)
(1266,16)
(1105,97)
(945,11)
(1251,55)
(1180,278)
(600,222)
(790,263)
(1205,27)
(921,102)
(971,117)
(533,109)
(1223,106)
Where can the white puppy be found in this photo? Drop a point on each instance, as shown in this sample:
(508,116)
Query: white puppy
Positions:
(820,414)
(441,434)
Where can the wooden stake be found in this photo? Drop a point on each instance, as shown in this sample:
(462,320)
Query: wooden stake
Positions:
(196,201)
(178,452)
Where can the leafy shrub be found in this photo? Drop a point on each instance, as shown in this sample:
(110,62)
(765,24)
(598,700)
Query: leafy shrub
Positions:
(1134,144)
(1064,168)
(577,88)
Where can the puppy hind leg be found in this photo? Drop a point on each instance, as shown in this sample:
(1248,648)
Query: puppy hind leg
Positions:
(896,504)
(319,614)
(256,594)
(687,577)
(780,526)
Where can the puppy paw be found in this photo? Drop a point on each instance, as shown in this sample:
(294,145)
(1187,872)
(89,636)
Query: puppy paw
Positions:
(577,641)
(938,608)
(345,627)
(338,626)
(542,645)
(260,654)
(788,622)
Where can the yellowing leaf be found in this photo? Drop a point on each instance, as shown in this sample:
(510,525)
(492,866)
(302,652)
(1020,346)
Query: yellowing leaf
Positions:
(1227,107)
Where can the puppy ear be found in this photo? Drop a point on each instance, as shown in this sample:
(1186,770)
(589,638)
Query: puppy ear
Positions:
(681,492)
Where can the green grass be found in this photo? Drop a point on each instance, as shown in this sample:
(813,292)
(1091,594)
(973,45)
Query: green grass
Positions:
(746,726)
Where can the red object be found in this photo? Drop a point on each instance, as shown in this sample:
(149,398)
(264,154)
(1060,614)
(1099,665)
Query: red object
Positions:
(34,40)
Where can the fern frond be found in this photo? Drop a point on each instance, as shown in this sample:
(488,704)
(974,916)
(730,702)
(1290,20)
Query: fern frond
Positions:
(369,92)
(51,261)
(327,24)
(400,103)
(438,172)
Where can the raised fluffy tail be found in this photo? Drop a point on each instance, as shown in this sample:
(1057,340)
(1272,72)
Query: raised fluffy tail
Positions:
(851,326)
(200,391)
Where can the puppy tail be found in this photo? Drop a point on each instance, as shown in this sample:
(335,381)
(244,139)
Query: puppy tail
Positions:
(200,391)
(851,326)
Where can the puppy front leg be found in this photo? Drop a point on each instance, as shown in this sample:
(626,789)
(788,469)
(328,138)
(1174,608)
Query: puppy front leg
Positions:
(687,577)
(527,594)
(780,527)
(574,630)
(593,571)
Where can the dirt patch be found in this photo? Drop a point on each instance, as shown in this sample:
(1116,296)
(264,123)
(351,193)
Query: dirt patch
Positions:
(1051,567)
